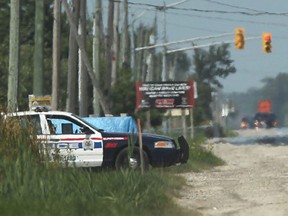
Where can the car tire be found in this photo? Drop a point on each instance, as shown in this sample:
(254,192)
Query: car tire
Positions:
(123,161)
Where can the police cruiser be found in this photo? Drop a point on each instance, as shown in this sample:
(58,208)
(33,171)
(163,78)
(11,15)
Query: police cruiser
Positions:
(81,144)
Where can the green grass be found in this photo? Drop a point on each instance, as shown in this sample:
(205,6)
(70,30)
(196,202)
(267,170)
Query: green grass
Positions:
(200,157)
(78,192)
(29,187)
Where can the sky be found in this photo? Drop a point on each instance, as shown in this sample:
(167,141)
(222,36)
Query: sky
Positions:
(202,18)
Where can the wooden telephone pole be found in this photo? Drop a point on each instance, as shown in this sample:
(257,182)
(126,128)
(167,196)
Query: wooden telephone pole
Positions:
(85,58)
(13,56)
(56,53)
(38,76)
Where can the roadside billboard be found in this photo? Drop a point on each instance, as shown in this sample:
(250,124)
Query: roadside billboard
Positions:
(165,95)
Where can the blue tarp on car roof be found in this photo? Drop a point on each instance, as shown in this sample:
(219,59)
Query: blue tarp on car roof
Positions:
(114,124)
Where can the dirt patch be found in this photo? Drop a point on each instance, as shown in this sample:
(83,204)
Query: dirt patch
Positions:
(254,181)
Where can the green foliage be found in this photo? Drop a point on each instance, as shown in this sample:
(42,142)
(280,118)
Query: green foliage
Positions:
(156,118)
(201,156)
(76,192)
(123,93)
(209,67)
(274,89)
(180,63)
(15,140)
(27,12)
(28,187)
(213,64)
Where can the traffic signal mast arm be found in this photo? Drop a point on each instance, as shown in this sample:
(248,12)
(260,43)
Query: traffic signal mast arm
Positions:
(210,44)
(239,41)
(182,41)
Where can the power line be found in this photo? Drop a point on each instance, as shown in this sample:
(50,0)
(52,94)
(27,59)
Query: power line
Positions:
(229,19)
(233,6)
(231,12)
(254,13)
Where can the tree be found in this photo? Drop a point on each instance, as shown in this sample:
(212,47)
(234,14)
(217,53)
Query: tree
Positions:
(275,89)
(140,67)
(125,61)
(123,94)
(178,65)
(95,81)
(108,50)
(209,67)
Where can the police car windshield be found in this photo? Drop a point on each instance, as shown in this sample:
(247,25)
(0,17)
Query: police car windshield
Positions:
(88,123)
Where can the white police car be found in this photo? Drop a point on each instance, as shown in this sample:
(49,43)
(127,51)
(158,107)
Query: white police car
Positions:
(81,144)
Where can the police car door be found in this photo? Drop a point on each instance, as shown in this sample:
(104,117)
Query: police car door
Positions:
(74,145)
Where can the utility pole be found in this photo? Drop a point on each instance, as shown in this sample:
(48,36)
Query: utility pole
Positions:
(56,53)
(164,61)
(96,53)
(109,42)
(125,37)
(164,64)
(38,76)
(115,43)
(83,76)
(13,56)
(73,62)
(84,56)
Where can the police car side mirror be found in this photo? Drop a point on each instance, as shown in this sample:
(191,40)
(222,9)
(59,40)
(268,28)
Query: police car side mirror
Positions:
(86,130)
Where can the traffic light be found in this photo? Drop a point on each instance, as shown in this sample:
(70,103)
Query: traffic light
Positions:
(267,42)
(239,38)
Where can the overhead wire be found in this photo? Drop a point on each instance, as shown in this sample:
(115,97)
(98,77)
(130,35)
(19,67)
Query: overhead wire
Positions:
(232,6)
(253,13)
(228,19)
(247,11)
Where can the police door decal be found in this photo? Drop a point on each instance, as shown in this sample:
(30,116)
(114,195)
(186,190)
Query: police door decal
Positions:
(88,144)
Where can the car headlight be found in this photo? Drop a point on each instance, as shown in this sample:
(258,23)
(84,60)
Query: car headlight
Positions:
(164,144)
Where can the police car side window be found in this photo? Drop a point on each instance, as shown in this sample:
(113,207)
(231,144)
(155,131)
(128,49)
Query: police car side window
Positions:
(35,120)
(62,125)
(31,121)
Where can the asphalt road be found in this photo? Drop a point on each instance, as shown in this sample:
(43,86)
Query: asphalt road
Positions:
(253,182)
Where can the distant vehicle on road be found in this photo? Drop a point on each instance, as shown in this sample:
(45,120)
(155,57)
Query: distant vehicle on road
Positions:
(265,120)
(247,122)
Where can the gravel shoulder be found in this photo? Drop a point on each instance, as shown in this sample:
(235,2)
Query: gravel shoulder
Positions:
(254,181)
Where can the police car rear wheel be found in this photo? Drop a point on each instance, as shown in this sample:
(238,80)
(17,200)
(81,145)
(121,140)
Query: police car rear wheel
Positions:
(125,159)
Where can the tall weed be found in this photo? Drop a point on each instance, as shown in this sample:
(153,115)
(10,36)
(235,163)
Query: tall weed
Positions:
(30,187)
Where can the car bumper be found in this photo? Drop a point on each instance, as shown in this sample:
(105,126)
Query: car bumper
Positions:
(168,157)
(183,153)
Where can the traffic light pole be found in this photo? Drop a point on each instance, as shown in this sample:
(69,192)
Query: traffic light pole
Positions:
(182,41)
(207,45)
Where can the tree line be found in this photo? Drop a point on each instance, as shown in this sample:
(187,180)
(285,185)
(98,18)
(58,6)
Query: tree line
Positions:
(88,66)
(274,89)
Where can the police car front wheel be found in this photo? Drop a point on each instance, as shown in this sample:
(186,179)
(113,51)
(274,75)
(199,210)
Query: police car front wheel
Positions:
(131,159)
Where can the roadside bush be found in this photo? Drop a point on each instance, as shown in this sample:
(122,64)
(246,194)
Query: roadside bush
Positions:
(200,157)
(29,187)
